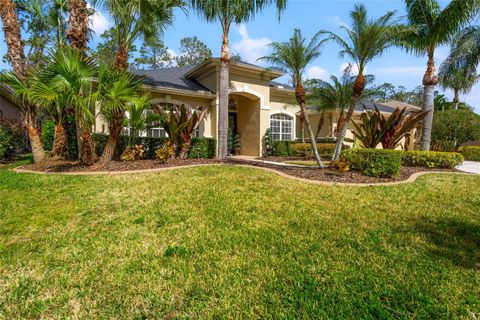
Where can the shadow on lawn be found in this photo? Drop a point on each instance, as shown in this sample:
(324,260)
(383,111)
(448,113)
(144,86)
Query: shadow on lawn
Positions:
(453,239)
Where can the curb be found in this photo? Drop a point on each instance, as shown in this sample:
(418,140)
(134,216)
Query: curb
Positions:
(411,179)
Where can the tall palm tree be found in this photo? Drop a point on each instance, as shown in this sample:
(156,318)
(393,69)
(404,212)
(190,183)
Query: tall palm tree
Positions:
(11,29)
(433,26)
(293,57)
(77,32)
(459,80)
(132,20)
(227,12)
(366,40)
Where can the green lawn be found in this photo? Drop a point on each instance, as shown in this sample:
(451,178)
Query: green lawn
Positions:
(234,242)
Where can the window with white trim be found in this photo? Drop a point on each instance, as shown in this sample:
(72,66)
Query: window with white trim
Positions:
(281,127)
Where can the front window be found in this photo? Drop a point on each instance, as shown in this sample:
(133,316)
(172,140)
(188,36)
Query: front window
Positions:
(281,127)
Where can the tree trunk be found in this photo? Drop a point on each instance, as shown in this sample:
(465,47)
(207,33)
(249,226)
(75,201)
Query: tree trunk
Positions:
(88,155)
(456,99)
(11,29)
(302,126)
(429,82)
(78,24)
(320,124)
(358,87)
(301,99)
(224,85)
(59,141)
(114,131)
(340,123)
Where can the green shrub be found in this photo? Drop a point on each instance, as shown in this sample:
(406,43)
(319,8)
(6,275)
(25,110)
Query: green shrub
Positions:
(6,144)
(305,149)
(375,162)
(282,148)
(432,159)
(202,148)
(12,139)
(470,153)
(48,134)
(451,128)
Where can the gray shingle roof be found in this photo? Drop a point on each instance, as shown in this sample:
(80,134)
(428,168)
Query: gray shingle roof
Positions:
(171,78)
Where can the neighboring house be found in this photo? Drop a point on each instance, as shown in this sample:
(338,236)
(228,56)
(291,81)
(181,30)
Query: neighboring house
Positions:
(8,109)
(256,103)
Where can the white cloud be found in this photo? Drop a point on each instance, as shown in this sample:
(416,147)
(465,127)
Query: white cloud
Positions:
(250,49)
(99,22)
(316,72)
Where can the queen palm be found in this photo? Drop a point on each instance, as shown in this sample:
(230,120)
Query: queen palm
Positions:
(227,12)
(132,20)
(11,29)
(293,57)
(459,80)
(365,40)
(433,26)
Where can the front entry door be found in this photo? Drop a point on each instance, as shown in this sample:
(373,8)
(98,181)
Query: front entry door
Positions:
(233,122)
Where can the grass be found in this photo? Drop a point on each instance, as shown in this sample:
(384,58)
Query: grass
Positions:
(233,242)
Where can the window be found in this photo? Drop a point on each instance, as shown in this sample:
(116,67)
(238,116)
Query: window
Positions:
(281,127)
(155,130)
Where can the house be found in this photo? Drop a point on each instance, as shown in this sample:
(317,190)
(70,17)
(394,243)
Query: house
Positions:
(8,108)
(256,103)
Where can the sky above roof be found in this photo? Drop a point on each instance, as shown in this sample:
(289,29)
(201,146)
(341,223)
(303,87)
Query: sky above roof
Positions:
(251,40)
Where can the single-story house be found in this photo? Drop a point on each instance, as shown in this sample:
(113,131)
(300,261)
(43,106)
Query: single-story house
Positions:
(256,103)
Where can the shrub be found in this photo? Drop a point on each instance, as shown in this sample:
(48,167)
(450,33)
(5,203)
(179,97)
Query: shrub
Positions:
(432,159)
(11,139)
(375,162)
(305,149)
(341,165)
(470,153)
(165,152)
(282,148)
(48,134)
(133,153)
(451,128)
(202,148)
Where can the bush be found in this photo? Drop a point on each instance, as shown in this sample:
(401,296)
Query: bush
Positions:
(451,128)
(470,153)
(134,153)
(432,159)
(295,149)
(282,148)
(48,134)
(375,162)
(202,148)
(11,139)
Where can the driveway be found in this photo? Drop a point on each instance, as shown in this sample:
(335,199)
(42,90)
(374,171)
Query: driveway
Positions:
(470,166)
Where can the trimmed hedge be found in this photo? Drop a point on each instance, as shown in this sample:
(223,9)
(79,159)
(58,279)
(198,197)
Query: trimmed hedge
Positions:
(432,159)
(375,162)
(199,148)
(295,149)
(471,153)
(48,134)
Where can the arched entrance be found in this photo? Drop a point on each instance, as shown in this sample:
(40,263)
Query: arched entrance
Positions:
(244,119)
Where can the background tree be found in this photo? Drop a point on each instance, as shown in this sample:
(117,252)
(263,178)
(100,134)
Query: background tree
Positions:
(433,26)
(451,128)
(366,40)
(106,50)
(132,20)
(227,12)
(293,57)
(11,29)
(154,55)
(192,51)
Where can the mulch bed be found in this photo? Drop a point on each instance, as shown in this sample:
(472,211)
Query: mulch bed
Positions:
(310,173)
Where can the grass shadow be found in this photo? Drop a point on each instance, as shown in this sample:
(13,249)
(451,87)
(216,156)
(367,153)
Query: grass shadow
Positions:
(453,239)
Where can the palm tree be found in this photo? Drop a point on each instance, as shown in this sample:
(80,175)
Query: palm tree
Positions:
(11,29)
(433,26)
(227,12)
(459,80)
(366,40)
(77,32)
(133,19)
(293,57)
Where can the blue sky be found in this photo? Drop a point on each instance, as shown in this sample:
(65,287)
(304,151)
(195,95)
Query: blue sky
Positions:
(251,39)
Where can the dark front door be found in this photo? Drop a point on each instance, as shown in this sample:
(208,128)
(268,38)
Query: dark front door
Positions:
(233,122)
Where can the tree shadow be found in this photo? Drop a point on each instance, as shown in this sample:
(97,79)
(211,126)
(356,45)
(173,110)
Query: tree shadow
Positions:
(453,239)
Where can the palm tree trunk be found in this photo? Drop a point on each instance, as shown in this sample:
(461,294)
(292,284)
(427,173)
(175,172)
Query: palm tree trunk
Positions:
(116,126)
(340,123)
(301,99)
(59,141)
(456,98)
(320,124)
(429,82)
(11,29)
(358,87)
(302,123)
(224,85)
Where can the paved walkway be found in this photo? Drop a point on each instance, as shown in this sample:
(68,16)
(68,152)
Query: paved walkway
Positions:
(470,166)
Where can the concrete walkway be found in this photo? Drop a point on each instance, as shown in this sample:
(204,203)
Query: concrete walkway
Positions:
(470,167)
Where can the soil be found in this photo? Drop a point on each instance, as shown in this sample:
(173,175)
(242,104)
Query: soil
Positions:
(310,173)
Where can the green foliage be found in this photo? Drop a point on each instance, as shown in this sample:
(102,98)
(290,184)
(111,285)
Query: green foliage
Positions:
(48,133)
(192,51)
(149,144)
(375,128)
(154,55)
(305,149)
(268,143)
(375,162)
(12,139)
(202,148)
(282,148)
(470,153)
(432,159)
(451,128)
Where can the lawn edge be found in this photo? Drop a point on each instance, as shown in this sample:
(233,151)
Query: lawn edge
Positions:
(411,179)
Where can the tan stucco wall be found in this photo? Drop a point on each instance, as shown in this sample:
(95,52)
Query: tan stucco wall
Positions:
(248,118)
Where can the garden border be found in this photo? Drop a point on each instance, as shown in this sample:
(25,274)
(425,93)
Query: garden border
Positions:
(411,179)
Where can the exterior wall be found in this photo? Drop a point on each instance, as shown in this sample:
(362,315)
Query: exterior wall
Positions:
(8,110)
(248,121)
